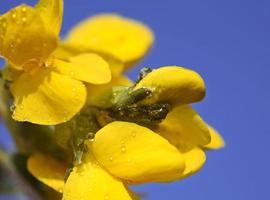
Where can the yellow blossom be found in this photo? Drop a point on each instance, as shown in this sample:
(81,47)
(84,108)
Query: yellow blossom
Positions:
(127,153)
(47,89)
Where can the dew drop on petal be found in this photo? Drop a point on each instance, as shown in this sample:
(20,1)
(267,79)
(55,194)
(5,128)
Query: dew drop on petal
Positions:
(24,19)
(106,197)
(133,134)
(24,9)
(72,73)
(123,149)
(13,16)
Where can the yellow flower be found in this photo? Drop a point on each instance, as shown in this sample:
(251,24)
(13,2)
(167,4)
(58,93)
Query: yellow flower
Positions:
(122,42)
(47,90)
(127,153)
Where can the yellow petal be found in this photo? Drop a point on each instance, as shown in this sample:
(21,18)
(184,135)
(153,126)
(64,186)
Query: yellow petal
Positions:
(123,38)
(173,84)
(87,67)
(216,142)
(184,128)
(96,92)
(48,170)
(90,181)
(136,154)
(47,98)
(65,51)
(23,37)
(51,12)
(194,160)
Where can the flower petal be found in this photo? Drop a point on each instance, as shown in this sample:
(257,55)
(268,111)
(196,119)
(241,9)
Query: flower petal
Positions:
(216,142)
(51,12)
(173,84)
(24,38)
(184,128)
(123,38)
(65,51)
(87,67)
(194,160)
(45,97)
(136,154)
(96,92)
(48,170)
(90,181)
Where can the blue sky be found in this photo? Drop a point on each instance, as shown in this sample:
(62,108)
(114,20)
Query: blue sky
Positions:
(228,43)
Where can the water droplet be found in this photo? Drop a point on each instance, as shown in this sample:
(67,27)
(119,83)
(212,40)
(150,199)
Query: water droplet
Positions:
(123,149)
(92,139)
(24,9)
(106,197)
(4,24)
(111,158)
(46,65)
(133,134)
(24,19)
(18,40)
(14,15)
(72,73)
(73,89)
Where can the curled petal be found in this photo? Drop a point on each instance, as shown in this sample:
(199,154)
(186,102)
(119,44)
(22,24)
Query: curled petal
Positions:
(87,67)
(173,84)
(136,154)
(47,98)
(120,37)
(24,39)
(48,170)
(184,128)
(90,181)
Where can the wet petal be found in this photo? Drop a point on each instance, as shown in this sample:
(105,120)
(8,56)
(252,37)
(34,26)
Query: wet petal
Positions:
(24,38)
(136,154)
(123,38)
(90,181)
(47,98)
(48,170)
(173,84)
(184,128)
(88,67)
(51,12)
(216,142)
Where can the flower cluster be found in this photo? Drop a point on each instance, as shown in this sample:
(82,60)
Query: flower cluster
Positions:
(109,131)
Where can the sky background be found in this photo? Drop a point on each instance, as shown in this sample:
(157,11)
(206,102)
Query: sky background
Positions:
(228,43)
